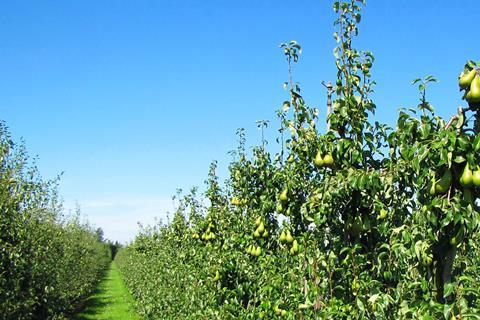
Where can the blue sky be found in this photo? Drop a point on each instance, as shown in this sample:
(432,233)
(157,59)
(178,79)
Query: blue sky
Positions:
(134,99)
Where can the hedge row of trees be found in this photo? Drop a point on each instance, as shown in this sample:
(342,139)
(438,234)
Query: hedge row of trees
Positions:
(48,263)
(361,222)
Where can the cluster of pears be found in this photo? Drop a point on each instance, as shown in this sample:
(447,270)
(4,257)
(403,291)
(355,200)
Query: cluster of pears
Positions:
(286,237)
(237,202)
(469,178)
(279,311)
(208,235)
(261,231)
(469,80)
(283,200)
(254,250)
(323,161)
(423,252)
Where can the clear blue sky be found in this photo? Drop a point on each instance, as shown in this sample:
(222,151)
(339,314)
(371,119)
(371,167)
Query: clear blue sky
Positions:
(133,99)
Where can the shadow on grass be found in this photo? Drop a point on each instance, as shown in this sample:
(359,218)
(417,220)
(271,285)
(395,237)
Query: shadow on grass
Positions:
(92,306)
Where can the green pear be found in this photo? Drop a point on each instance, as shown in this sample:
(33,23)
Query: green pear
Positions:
(289,237)
(261,228)
(468,96)
(258,221)
(473,95)
(476,178)
(279,207)
(277,310)
(294,248)
(444,183)
(256,234)
(217,276)
(432,190)
(283,237)
(466,180)
(236,201)
(284,196)
(328,160)
(383,214)
(318,161)
(466,78)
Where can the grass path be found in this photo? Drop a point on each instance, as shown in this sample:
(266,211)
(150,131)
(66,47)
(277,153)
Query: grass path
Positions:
(110,301)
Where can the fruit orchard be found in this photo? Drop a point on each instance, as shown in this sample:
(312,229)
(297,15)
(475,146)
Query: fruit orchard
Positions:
(363,221)
(48,264)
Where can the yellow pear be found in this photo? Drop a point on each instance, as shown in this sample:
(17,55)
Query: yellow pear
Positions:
(318,161)
(383,214)
(236,201)
(473,95)
(261,228)
(466,78)
(289,237)
(328,160)
(476,178)
(432,190)
(217,276)
(466,180)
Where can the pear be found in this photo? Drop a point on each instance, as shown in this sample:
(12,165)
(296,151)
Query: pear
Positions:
(444,183)
(318,161)
(258,221)
(217,276)
(292,251)
(473,95)
(279,207)
(466,78)
(328,160)
(236,201)
(466,179)
(383,214)
(265,234)
(468,96)
(432,190)
(294,248)
(289,237)
(261,228)
(277,310)
(283,196)
(258,251)
(476,178)
(256,234)
(283,237)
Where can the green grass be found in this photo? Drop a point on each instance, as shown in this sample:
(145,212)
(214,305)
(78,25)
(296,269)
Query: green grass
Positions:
(110,301)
